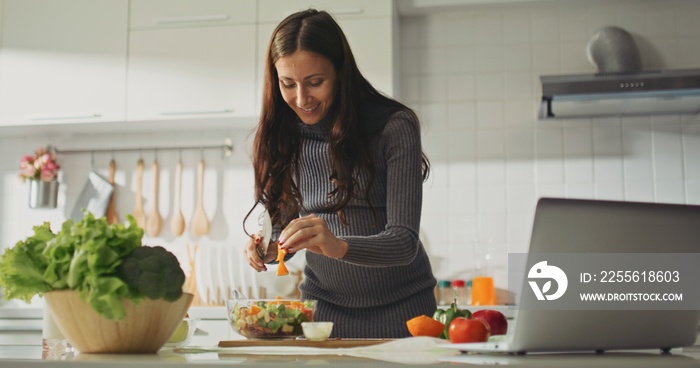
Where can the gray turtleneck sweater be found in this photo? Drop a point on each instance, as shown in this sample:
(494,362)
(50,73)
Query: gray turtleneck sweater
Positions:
(385,278)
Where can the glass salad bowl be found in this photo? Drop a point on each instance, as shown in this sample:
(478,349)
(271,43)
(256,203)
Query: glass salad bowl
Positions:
(269,318)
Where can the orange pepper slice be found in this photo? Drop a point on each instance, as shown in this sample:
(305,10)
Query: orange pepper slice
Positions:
(424,326)
(281,268)
(254,309)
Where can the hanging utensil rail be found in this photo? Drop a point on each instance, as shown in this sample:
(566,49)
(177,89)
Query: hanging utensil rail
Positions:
(226,148)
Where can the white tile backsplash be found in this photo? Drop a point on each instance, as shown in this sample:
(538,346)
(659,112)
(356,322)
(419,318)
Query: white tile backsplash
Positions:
(473,78)
(518,158)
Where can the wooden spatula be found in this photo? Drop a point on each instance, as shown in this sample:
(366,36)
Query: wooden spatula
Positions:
(154,222)
(177,223)
(111,215)
(139,213)
(200,222)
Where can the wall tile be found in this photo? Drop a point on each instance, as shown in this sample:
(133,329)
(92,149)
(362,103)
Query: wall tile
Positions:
(489,114)
(411,62)
(433,61)
(461,29)
(462,147)
(546,59)
(638,164)
(410,89)
(518,58)
(520,198)
(573,23)
(692,190)
(461,87)
(640,191)
(544,25)
(489,58)
(580,190)
(520,114)
(686,18)
(435,31)
(519,86)
(461,116)
(661,21)
(521,172)
(488,28)
(691,150)
(490,172)
(516,27)
(411,32)
(573,58)
(668,152)
(609,190)
(490,86)
(520,230)
(688,52)
(433,88)
(461,60)
(463,195)
(670,191)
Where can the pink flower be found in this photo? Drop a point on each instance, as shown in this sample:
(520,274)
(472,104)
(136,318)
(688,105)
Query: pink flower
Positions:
(41,166)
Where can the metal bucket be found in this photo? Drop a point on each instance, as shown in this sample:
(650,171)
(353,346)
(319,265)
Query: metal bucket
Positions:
(43,194)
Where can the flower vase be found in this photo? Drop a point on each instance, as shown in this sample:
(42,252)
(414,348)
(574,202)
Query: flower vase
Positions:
(43,194)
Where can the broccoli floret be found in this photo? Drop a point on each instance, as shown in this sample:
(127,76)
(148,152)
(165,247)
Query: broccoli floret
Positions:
(153,272)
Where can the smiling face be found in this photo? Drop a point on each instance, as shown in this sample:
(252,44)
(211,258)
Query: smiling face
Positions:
(307,82)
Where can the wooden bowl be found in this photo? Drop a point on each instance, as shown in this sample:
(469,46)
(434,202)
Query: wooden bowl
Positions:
(145,328)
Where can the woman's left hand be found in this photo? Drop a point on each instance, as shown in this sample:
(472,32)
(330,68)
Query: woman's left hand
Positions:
(311,233)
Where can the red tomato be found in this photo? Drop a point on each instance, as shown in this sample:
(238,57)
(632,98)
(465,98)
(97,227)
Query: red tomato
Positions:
(468,330)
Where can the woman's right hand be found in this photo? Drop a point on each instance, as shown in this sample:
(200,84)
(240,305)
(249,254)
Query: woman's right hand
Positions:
(251,253)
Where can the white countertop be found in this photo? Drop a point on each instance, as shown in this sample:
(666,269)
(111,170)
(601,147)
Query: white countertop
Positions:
(25,356)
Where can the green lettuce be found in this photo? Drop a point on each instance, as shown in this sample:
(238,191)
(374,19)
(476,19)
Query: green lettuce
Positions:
(82,256)
(23,267)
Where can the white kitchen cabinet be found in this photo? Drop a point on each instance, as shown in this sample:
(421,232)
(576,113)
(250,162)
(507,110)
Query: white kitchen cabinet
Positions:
(191,72)
(369,25)
(59,65)
(190,13)
(274,11)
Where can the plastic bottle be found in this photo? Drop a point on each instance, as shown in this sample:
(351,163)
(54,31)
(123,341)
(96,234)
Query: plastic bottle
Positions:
(460,292)
(468,293)
(445,294)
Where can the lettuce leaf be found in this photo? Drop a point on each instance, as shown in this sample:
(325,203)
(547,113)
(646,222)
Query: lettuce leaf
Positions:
(22,267)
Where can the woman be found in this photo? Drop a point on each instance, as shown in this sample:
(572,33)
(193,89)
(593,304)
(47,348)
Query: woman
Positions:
(340,169)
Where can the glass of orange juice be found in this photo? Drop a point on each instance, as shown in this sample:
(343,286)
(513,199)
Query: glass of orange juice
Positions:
(483,291)
(483,288)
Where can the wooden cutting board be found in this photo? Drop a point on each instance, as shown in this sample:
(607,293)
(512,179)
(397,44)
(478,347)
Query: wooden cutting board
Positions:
(332,343)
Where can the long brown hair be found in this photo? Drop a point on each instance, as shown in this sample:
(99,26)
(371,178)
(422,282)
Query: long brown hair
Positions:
(277,141)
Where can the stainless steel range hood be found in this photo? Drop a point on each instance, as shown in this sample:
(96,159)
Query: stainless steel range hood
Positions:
(621,94)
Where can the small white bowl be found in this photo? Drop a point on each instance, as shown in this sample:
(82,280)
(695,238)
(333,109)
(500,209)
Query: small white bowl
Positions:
(317,331)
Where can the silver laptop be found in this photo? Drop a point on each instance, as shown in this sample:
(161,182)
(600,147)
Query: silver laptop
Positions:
(588,226)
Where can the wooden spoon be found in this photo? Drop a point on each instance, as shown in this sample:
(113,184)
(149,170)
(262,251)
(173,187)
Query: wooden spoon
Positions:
(138,213)
(177,224)
(154,222)
(200,223)
(112,217)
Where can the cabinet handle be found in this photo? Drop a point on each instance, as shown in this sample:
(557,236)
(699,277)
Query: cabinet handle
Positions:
(197,112)
(344,11)
(66,116)
(196,18)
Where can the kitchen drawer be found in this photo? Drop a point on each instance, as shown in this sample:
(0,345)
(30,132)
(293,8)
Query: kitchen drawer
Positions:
(190,13)
(273,11)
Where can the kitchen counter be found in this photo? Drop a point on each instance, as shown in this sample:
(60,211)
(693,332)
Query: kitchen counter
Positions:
(30,356)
